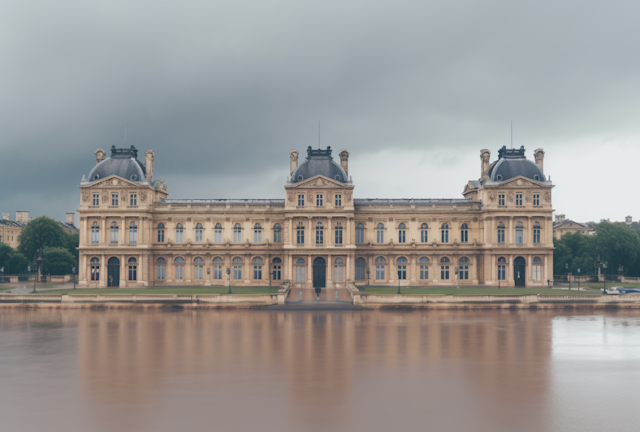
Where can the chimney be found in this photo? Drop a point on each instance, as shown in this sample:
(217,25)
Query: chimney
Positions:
(344,161)
(150,157)
(293,155)
(539,155)
(485,158)
(71,219)
(560,218)
(22,216)
(628,220)
(6,216)
(100,155)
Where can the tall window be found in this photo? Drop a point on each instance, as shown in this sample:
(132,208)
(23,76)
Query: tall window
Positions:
(95,233)
(444,268)
(537,268)
(536,199)
(257,233)
(114,232)
(380,233)
(133,269)
(217,268)
(300,270)
(338,270)
(96,199)
(257,268)
(133,199)
(500,232)
(237,233)
(277,233)
(320,234)
(338,200)
(217,233)
(463,270)
(519,232)
(338,239)
(95,269)
(424,235)
(237,268)
(161,265)
(501,201)
(199,232)
(133,233)
(300,200)
(114,199)
(179,268)
(502,268)
(277,269)
(160,233)
(319,200)
(360,233)
(536,232)
(445,233)
(464,233)
(402,233)
(179,233)
(402,268)
(360,266)
(424,268)
(198,267)
(300,233)
(380,261)
(519,199)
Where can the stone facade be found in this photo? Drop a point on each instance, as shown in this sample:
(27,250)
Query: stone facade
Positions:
(562,226)
(319,234)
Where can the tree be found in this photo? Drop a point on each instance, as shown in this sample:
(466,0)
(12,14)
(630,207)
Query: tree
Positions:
(618,244)
(12,261)
(72,243)
(40,233)
(58,261)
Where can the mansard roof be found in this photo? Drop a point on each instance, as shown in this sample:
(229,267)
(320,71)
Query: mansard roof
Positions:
(319,162)
(123,163)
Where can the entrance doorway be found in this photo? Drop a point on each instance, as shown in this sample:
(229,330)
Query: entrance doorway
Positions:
(319,273)
(519,271)
(113,272)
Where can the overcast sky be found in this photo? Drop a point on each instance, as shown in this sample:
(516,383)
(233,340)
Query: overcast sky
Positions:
(223,90)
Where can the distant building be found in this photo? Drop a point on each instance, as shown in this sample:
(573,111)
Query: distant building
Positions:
(70,226)
(10,230)
(562,226)
(628,220)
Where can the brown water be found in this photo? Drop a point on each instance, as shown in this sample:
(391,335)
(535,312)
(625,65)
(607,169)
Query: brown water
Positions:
(330,371)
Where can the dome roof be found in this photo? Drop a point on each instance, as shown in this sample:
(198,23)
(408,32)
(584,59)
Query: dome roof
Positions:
(512,163)
(319,162)
(123,163)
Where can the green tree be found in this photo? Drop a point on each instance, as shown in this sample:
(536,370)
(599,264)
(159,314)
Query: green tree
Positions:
(72,243)
(58,261)
(618,244)
(12,261)
(40,233)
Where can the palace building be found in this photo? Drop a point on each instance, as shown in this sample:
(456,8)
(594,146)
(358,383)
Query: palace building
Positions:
(499,234)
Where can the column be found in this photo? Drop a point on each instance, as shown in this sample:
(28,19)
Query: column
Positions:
(413,268)
(330,283)
(329,240)
(123,231)
(309,272)
(103,231)
(123,272)
(102,282)
(347,240)
(510,236)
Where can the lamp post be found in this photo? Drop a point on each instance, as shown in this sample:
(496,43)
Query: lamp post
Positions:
(604,277)
(368,271)
(568,280)
(621,270)
(229,279)
(38,261)
(578,279)
(73,271)
(2,271)
(456,270)
(399,283)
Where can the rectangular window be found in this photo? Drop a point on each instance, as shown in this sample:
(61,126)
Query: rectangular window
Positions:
(338,200)
(237,272)
(133,199)
(463,272)
(402,272)
(501,200)
(95,235)
(133,235)
(179,235)
(401,236)
(277,272)
(114,234)
(160,235)
(536,235)
(537,272)
(257,272)
(519,236)
(500,236)
(518,199)
(536,199)
(445,236)
(179,272)
(300,200)
(277,236)
(300,273)
(198,273)
(257,236)
(338,273)
(217,236)
(114,199)
(424,237)
(162,272)
(359,235)
(217,272)
(379,272)
(444,272)
(95,272)
(319,200)
(424,272)
(237,235)
(502,272)
(133,272)
(96,199)
(380,235)
(319,236)
(464,236)
(300,235)
(198,235)
(339,235)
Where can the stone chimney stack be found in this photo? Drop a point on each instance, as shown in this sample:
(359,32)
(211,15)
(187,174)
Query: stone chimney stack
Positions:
(22,216)
(100,155)
(485,158)
(150,156)
(539,155)
(293,155)
(344,161)
(560,218)
(6,216)
(71,218)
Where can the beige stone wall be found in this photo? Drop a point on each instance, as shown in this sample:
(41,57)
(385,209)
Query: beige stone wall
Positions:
(9,235)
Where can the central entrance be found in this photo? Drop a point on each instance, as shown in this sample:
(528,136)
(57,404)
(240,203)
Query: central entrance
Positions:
(113,272)
(518,271)
(319,273)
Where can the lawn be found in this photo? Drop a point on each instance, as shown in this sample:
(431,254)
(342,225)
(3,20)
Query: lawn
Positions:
(476,291)
(167,290)
(598,285)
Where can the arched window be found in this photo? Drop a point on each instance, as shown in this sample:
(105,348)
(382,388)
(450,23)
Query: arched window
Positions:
(114,232)
(402,268)
(338,270)
(537,268)
(360,233)
(424,268)
(519,233)
(133,233)
(360,268)
(133,269)
(95,233)
(217,233)
(277,268)
(380,262)
(502,268)
(463,270)
(257,268)
(199,232)
(402,233)
(257,233)
(464,233)
(179,267)
(300,233)
(444,268)
(237,268)
(445,233)
(95,269)
(319,234)
(160,233)
(300,270)
(161,260)
(380,233)
(277,233)
(237,233)
(161,271)
(179,233)
(501,233)
(198,267)
(424,234)
(536,232)
(217,268)
(338,234)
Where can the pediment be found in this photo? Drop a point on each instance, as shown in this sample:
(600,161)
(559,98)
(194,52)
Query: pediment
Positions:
(520,182)
(113,181)
(318,181)
(468,187)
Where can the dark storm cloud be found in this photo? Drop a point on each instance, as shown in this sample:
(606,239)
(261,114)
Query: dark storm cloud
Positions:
(223,90)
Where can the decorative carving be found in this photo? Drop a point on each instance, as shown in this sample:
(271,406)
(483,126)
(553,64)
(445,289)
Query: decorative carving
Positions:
(547,197)
(291,198)
(85,195)
(492,196)
(510,196)
(143,196)
(348,196)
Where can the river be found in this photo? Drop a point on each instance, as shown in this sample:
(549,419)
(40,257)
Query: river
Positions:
(242,370)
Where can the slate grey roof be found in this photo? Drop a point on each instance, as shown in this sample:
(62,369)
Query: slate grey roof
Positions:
(513,163)
(12,223)
(568,222)
(408,201)
(69,226)
(123,163)
(319,162)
